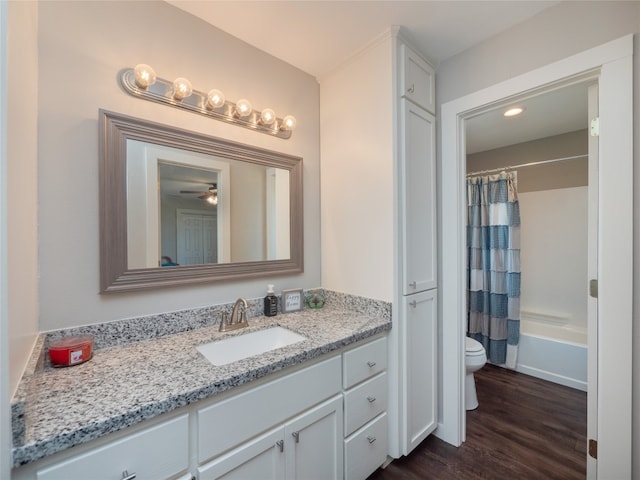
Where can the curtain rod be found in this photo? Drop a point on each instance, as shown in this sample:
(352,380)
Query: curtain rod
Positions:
(530,164)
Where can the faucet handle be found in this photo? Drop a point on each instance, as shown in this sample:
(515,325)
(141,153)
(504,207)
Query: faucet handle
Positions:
(224,322)
(243,318)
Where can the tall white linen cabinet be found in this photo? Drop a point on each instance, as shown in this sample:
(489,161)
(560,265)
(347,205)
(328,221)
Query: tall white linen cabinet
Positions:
(378,193)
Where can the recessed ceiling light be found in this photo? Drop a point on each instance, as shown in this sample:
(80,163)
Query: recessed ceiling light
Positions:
(513,112)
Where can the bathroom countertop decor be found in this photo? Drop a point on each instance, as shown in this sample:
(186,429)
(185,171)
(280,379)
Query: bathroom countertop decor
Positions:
(128,382)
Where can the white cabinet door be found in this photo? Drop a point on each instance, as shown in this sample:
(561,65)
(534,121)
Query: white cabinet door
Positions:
(157,452)
(418,200)
(261,458)
(313,443)
(418,79)
(420,380)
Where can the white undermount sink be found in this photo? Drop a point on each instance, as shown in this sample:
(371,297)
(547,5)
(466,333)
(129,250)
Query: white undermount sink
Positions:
(246,345)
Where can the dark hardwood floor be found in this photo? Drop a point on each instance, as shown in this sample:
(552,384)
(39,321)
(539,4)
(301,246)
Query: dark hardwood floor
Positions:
(525,428)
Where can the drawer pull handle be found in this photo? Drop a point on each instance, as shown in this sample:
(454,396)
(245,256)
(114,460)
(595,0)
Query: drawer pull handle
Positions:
(128,476)
(413,304)
(371,364)
(280,444)
(413,285)
(411,89)
(296,435)
(371,399)
(371,439)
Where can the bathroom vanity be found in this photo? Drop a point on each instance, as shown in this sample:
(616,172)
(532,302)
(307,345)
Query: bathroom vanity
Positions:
(158,409)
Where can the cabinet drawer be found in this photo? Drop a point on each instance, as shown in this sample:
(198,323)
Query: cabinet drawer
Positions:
(230,422)
(158,452)
(418,79)
(364,362)
(364,402)
(366,449)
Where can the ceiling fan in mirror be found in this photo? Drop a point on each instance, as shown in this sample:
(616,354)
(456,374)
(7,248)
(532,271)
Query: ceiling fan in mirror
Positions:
(210,196)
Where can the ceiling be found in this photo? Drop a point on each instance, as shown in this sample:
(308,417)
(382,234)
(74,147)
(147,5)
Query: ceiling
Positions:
(551,113)
(316,36)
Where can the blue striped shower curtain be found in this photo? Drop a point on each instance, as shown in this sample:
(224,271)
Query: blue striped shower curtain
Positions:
(493,244)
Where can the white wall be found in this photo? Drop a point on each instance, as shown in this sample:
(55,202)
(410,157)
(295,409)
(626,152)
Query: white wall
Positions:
(83,46)
(553,243)
(22,187)
(5,390)
(248,212)
(569,28)
(357,174)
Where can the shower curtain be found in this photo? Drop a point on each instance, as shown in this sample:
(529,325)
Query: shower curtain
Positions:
(493,245)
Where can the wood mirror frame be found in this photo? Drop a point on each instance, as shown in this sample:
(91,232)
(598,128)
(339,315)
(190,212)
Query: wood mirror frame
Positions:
(115,276)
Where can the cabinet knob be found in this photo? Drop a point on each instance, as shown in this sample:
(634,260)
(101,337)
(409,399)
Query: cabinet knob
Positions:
(371,439)
(371,399)
(411,89)
(128,476)
(280,444)
(296,435)
(371,364)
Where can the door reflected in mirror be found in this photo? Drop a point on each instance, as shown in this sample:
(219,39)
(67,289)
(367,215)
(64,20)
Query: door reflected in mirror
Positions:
(189,216)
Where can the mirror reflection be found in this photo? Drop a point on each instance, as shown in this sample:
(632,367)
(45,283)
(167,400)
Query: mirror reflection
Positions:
(185,208)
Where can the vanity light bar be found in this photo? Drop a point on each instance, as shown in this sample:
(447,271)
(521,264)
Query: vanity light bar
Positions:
(142,82)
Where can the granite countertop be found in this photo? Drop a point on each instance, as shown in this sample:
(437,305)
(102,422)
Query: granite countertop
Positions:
(126,384)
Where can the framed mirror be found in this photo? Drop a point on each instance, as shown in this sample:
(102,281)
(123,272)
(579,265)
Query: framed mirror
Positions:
(179,207)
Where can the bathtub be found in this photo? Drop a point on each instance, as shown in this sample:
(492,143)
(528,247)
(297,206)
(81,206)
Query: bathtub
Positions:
(553,349)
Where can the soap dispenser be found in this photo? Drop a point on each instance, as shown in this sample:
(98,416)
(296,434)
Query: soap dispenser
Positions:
(270,303)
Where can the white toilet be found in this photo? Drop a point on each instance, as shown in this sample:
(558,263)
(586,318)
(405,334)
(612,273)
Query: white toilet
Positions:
(474,359)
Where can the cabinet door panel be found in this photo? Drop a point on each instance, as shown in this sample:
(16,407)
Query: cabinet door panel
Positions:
(161,451)
(313,443)
(418,174)
(418,79)
(260,458)
(420,383)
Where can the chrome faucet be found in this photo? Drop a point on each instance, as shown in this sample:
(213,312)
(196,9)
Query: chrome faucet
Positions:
(235,322)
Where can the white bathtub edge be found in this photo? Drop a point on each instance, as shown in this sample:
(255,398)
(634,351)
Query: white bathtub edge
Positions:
(552,377)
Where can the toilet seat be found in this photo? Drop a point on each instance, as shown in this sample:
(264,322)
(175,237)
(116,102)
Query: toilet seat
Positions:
(473,347)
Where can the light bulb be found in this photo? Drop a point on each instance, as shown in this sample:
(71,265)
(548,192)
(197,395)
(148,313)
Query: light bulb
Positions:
(181,88)
(243,108)
(288,122)
(145,76)
(513,112)
(267,117)
(215,98)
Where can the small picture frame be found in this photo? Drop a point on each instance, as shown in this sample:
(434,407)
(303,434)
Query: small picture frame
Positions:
(292,300)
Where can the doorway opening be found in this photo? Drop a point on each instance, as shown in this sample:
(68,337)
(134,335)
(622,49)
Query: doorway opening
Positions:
(612,65)
(547,147)
(551,250)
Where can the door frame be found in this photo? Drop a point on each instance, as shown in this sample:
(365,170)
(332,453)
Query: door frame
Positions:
(613,62)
